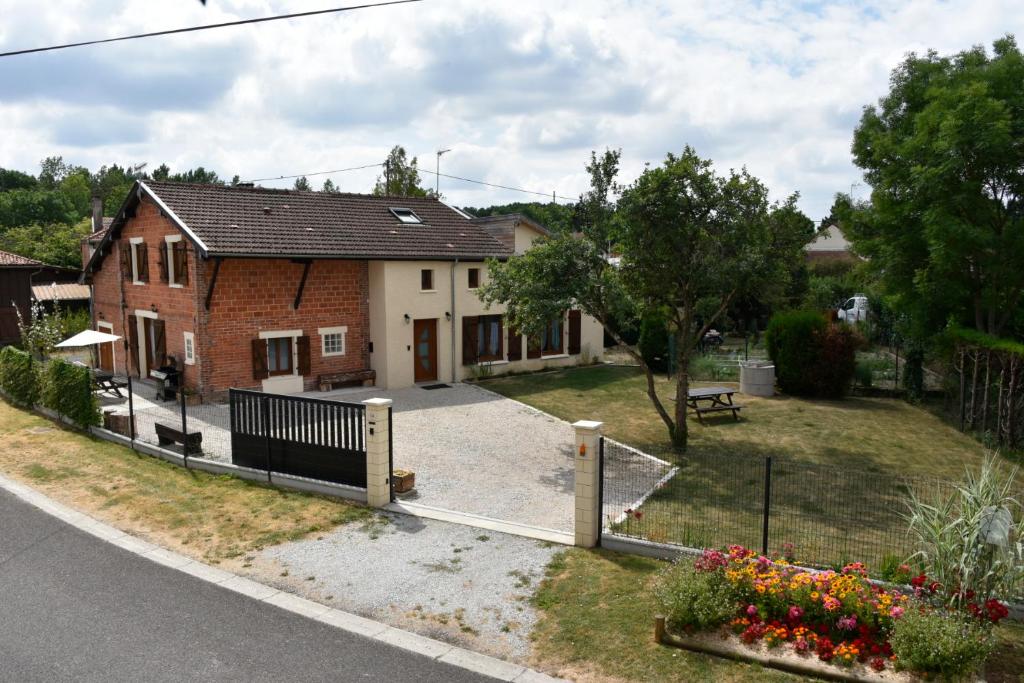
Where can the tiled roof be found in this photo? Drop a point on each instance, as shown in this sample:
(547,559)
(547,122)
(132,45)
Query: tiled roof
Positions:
(9,259)
(246,221)
(60,291)
(99,234)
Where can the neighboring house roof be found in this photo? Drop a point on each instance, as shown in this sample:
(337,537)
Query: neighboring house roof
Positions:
(96,237)
(60,291)
(503,226)
(829,239)
(260,222)
(14,260)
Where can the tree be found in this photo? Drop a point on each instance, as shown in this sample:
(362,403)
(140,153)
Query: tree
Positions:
(302,184)
(942,152)
(330,187)
(690,243)
(16,180)
(57,244)
(52,170)
(554,217)
(25,207)
(161,172)
(112,183)
(401,177)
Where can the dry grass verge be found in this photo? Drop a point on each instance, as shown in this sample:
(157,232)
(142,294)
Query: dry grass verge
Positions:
(216,519)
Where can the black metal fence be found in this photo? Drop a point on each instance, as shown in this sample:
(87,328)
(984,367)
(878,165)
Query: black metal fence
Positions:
(308,437)
(821,515)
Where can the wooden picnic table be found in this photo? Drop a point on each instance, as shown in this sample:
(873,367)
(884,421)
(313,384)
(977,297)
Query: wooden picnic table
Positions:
(107,383)
(712,400)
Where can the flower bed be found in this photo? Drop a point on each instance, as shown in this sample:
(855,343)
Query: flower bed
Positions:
(839,618)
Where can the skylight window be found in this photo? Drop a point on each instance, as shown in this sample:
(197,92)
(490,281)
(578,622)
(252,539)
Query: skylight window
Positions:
(405,215)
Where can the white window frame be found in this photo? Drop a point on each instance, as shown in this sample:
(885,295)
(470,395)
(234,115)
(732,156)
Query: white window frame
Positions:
(169,258)
(134,243)
(277,334)
(190,348)
(339,330)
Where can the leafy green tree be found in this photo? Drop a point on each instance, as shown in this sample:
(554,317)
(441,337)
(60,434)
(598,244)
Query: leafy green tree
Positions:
(16,180)
(942,152)
(29,206)
(302,184)
(112,183)
(401,176)
(52,170)
(690,242)
(330,187)
(57,243)
(76,187)
(161,173)
(197,175)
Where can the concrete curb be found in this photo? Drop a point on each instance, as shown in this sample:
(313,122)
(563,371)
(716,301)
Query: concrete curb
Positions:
(352,623)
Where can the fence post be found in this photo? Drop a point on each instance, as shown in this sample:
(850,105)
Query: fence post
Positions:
(131,412)
(265,422)
(378,451)
(184,418)
(767,504)
(586,458)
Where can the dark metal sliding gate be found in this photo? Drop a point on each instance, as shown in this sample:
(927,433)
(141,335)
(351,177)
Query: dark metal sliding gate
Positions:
(307,437)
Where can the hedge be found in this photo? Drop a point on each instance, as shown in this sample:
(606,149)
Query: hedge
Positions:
(811,357)
(19,376)
(67,390)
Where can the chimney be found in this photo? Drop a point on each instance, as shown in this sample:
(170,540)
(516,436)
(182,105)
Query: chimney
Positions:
(97,214)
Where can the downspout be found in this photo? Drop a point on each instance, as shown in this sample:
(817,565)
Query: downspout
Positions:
(454,264)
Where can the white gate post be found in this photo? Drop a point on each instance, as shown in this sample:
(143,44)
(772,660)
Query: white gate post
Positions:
(588,514)
(378,457)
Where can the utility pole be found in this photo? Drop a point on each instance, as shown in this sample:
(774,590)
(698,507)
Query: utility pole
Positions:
(387,177)
(437,172)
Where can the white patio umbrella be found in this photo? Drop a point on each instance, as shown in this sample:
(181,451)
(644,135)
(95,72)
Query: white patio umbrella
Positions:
(88,338)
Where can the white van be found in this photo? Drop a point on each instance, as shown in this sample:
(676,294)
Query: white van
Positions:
(855,309)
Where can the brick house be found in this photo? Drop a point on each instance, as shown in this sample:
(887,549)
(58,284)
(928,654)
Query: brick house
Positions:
(277,289)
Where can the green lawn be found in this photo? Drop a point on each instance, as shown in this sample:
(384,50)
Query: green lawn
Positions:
(596,623)
(838,476)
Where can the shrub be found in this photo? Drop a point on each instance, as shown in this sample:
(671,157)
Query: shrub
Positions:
(653,345)
(864,374)
(695,600)
(812,358)
(67,390)
(19,376)
(940,642)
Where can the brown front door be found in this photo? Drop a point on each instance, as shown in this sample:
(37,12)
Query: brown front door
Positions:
(424,334)
(107,356)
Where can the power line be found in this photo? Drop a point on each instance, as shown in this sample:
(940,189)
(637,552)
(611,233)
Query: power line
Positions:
(204,27)
(306,175)
(502,187)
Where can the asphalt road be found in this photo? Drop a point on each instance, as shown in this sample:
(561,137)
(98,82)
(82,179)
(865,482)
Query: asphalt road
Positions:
(73,607)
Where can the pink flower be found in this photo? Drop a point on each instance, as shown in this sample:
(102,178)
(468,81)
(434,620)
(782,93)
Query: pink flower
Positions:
(751,610)
(795,613)
(847,623)
(830,603)
(896,612)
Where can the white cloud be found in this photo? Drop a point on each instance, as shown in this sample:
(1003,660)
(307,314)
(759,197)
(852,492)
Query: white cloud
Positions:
(521,91)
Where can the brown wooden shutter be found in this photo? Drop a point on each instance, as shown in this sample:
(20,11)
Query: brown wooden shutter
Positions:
(143,256)
(162,260)
(125,249)
(469,339)
(532,347)
(575,330)
(160,352)
(181,262)
(133,342)
(259,359)
(305,365)
(515,344)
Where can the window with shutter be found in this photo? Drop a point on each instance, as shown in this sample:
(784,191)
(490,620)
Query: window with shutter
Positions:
(125,251)
(469,339)
(575,331)
(551,344)
(515,345)
(302,348)
(142,262)
(159,344)
(260,366)
(489,338)
(180,263)
(162,261)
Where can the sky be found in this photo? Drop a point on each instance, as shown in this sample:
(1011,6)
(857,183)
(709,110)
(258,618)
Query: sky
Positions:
(520,91)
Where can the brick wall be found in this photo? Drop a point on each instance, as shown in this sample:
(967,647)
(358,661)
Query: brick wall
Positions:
(251,295)
(257,295)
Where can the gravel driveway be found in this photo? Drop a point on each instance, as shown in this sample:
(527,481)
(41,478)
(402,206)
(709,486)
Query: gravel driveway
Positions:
(446,581)
(477,452)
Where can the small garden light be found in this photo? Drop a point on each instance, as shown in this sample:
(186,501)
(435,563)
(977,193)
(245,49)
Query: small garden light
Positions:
(583,450)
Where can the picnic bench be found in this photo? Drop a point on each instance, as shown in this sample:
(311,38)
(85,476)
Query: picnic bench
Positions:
(327,381)
(192,442)
(706,400)
(106,382)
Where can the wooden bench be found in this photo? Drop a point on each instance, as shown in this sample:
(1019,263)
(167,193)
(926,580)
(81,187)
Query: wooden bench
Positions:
(327,381)
(193,442)
(735,408)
